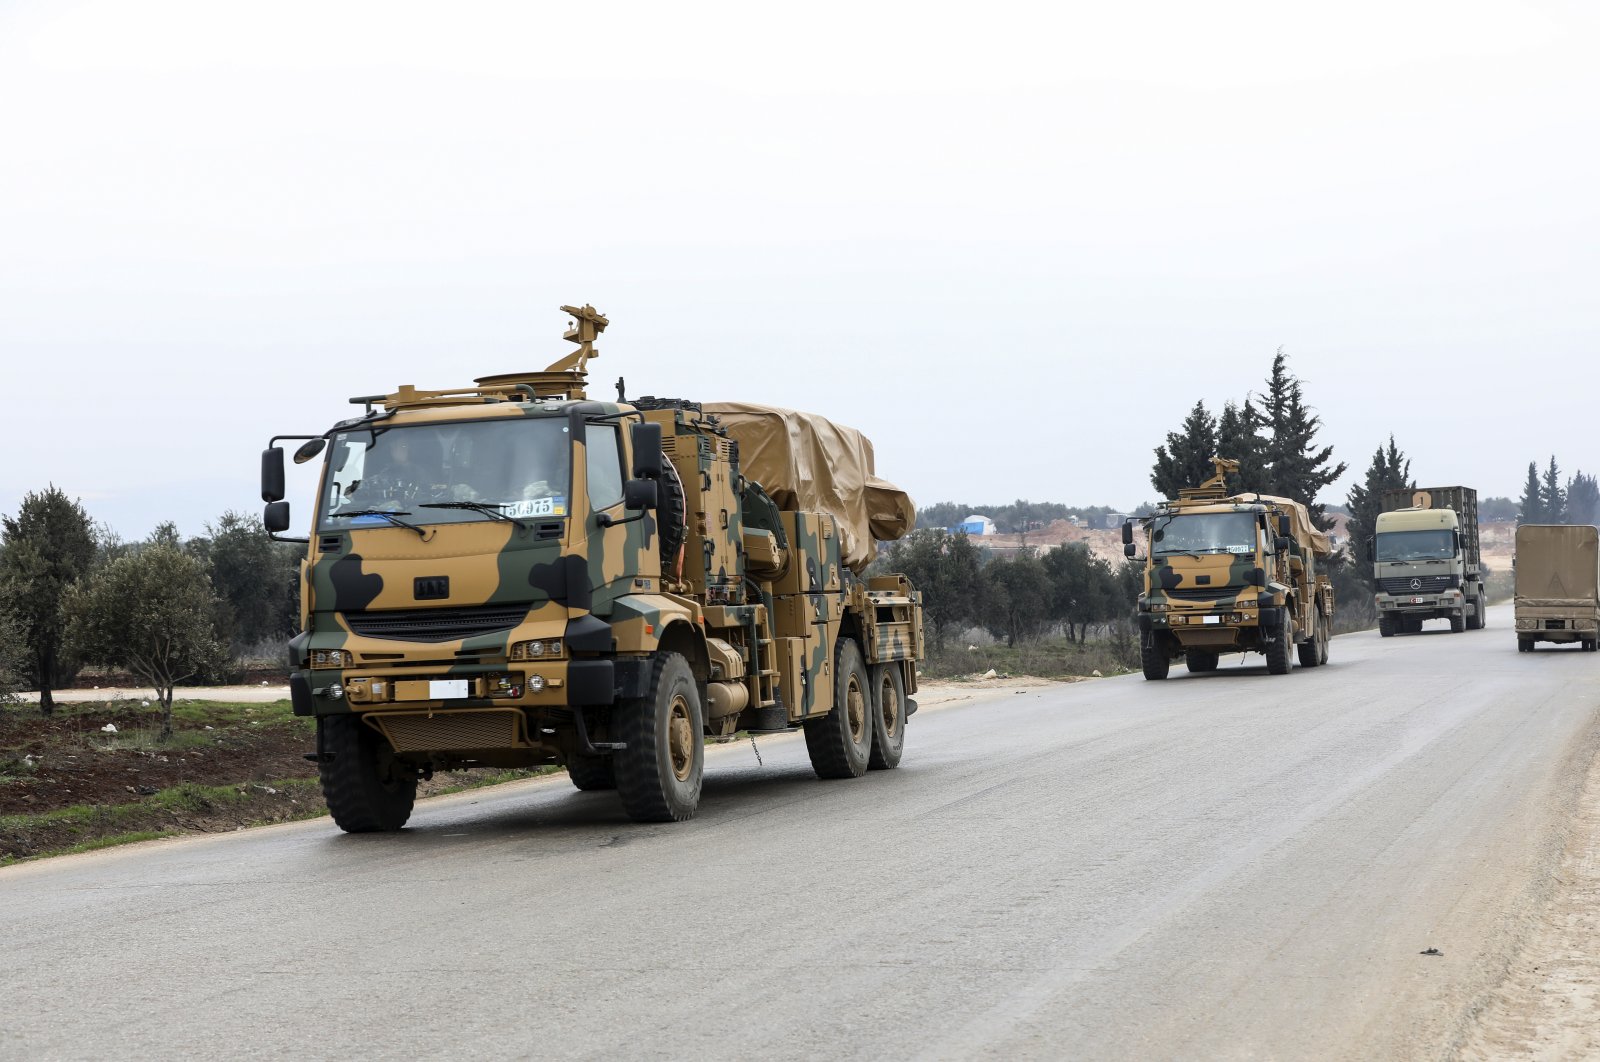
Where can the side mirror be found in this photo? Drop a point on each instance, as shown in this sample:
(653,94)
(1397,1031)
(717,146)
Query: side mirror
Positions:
(272,474)
(1256,577)
(647,456)
(639,493)
(1127,534)
(1281,545)
(276,516)
(1283,524)
(309,449)
(1129,549)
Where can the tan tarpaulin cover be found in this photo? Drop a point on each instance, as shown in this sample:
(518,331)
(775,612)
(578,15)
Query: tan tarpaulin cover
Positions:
(809,463)
(1303,527)
(1557,564)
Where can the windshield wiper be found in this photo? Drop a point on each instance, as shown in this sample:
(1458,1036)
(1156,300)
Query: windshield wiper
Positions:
(486,508)
(392,517)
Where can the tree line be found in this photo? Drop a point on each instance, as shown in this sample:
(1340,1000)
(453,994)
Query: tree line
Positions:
(1019,598)
(1546,501)
(166,609)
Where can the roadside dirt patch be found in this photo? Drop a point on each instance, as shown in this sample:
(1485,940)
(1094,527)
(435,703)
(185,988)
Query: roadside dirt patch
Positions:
(1549,1006)
(947,691)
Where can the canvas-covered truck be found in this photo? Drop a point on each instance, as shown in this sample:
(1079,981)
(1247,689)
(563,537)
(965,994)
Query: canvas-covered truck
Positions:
(1242,573)
(1426,560)
(514,574)
(1558,585)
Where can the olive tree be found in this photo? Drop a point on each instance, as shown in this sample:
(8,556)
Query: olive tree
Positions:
(150,611)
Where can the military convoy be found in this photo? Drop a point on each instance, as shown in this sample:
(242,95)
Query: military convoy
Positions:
(1426,560)
(1232,573)
(512,574)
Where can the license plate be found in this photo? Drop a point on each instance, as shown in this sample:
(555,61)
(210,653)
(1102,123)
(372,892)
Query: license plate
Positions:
(446,689)
(1416,601)
(1211,619)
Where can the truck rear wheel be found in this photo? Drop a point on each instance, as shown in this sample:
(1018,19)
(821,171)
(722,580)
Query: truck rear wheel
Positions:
(1280,651)
(367,788)
(658,775)
(1153,657)
(840,742)
(1200,660)
(888,717)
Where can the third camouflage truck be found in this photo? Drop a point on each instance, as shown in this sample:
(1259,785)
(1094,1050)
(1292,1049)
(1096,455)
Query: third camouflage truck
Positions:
(1232,574)
(513,574)
(1426,560)
(1558,585)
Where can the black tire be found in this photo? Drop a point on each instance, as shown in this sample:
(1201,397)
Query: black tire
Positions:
(591,773)
(1524,645)
(367,788)
(1154,659)
(840,743)
(1201,660)
(1483,609)
(1310,650)
(1458,622)
(1280,651)
(888,717)
(671,516)
(658,775)
(1324,641)
(1386,625)
(1475,618)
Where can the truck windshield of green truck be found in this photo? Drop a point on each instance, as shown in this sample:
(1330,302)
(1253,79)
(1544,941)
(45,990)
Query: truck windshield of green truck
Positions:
(1196,533)
(1415,545)
(449,473)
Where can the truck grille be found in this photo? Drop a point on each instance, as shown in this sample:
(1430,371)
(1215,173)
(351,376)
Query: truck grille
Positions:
(435,624)
(1203,593)
(1426,584)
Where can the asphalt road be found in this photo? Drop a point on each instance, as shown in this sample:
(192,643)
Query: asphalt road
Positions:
(1226,865)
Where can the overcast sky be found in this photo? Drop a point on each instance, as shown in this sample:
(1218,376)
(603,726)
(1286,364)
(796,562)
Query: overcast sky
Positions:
(1012,242)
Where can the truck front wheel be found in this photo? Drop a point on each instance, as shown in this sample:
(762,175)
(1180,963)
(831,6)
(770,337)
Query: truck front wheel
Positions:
(367,788)
(840,742)
(1458,621)
(658,775)
(1386,625)
(1280,651)
(1153,657)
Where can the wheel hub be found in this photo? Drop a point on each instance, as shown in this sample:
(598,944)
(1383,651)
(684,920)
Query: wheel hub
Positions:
(856,710)
(891,707)
(680,739)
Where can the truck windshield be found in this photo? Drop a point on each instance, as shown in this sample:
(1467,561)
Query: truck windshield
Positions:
(448,473)
(1194,533)
(1415,545)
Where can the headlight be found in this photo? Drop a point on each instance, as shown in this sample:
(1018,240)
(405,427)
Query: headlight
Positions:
(535,683)
(543,649)
(331,658)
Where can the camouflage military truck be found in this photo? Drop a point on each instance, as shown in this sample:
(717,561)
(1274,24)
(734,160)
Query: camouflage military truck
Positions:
(512,574)
(1232,574)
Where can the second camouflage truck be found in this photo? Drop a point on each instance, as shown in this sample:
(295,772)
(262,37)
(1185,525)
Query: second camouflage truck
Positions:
(1426,560)
(1232,574)
(513,574)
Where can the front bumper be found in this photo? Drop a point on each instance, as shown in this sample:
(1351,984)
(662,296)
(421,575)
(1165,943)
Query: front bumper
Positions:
(545,684)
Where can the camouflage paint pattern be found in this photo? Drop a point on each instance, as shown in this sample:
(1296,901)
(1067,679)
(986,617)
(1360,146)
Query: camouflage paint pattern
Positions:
(786,629)
(1208,601)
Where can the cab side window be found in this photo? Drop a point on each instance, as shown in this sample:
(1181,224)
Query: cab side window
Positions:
(601,443)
